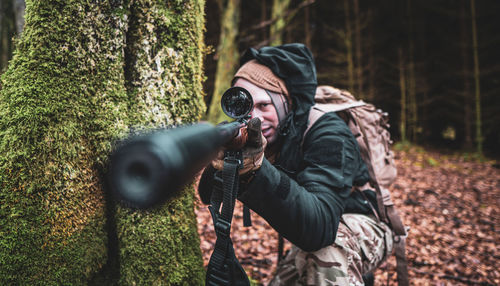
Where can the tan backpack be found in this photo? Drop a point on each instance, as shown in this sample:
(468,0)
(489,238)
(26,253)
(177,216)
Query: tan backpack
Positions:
(370,128)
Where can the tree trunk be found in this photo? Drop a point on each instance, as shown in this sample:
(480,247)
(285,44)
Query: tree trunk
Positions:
(66,97)
(19,7)
(402,85)
(467,84)
(359,62)
(348,45)
(263,18)
(278,15)
(479,136)
(227,57)
(307,27)
(2,31)
(7,31)
(164,62)
(372,67)
(412,92)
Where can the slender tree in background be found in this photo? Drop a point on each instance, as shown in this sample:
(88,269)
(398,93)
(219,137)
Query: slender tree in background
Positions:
(402,86)
(421,46)
(278,15)
(7,31)
(227,57)
(263,17)
(307,27)
(359,60)
(348,45)
(19,6)
(411,86)
(466,93)
(11,26)
(81,75)
(372,67)
(479,138)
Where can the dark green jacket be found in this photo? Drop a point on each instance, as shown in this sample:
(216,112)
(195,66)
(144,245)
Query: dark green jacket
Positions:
(304,195)
(306,207)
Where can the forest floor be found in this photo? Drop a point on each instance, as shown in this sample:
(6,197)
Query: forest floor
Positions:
(450,202)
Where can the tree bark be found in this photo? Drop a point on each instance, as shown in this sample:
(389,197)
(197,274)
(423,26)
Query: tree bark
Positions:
(7,32)
(307,27)
(465,74)
(359,61)
(402,86)
(348,45)
(66,97)
(19,7)
(479,136)
(371,63)
(278,14)
(412,92)
(227,58)
(263,18)
(164,75)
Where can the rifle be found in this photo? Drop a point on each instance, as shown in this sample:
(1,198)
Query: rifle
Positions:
(148,170)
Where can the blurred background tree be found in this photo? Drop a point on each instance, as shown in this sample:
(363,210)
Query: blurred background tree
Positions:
(227,57)
(11,26)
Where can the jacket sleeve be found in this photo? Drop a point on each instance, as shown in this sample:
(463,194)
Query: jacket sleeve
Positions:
(306,210)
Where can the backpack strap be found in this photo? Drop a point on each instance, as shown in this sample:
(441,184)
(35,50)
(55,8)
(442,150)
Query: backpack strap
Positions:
(318,109)
(388,212)
(314,114)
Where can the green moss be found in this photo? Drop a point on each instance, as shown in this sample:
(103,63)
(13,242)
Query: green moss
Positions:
(164,61)
(164,74)
(65,97)
(161,246)
(59,108)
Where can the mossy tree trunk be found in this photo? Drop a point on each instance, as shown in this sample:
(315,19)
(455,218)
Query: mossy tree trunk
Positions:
(164,76)
(81,76)
(227,57)
(278,13)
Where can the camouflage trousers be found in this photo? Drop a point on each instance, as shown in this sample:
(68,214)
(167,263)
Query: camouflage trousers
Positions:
(362,244)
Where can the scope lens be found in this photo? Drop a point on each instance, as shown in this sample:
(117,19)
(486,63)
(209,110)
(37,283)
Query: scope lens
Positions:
(237,102)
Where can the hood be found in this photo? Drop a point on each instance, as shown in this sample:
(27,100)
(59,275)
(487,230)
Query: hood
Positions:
(295,65)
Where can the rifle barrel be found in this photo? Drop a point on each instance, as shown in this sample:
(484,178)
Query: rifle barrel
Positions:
(148,170)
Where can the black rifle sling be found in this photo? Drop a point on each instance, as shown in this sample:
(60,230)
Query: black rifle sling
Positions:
(224,268)
(247,218)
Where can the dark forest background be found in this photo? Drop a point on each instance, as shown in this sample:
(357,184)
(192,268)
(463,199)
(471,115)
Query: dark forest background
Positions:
(433,65)
(414,59)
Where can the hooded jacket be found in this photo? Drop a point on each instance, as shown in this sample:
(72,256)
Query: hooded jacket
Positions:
(304,194)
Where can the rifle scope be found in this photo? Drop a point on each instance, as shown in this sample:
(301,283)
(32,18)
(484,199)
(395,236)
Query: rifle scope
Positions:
(147,170)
